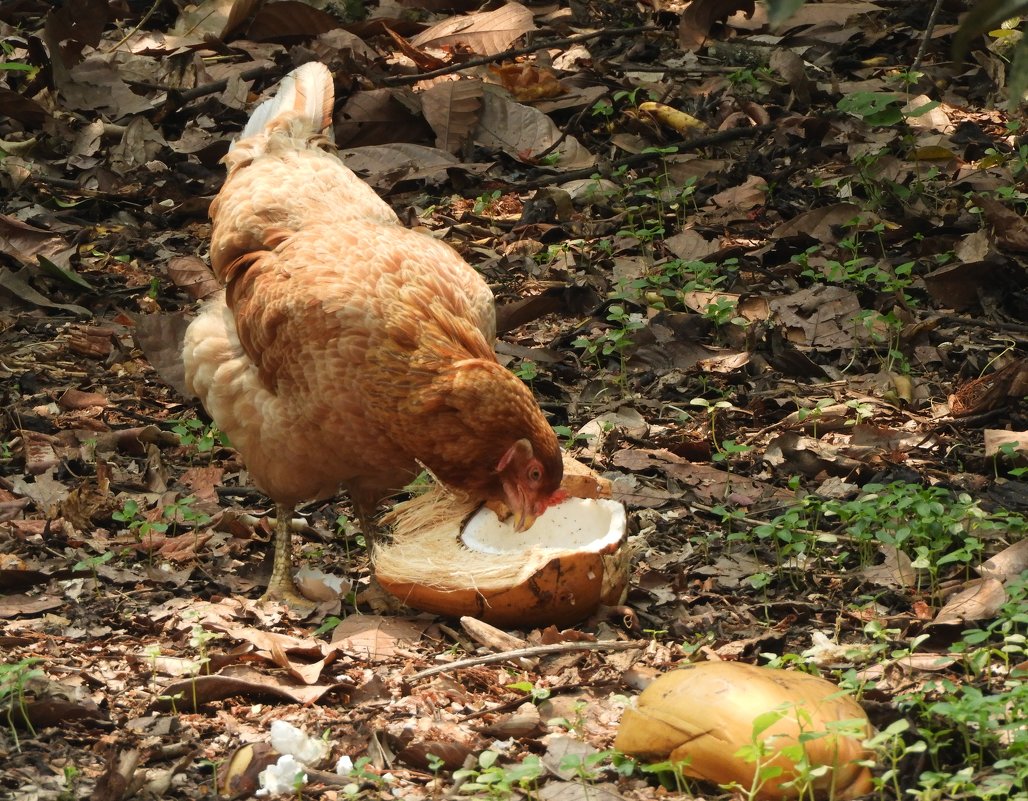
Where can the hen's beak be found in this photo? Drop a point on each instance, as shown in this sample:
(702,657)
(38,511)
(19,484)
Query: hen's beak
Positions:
(523,520)
(521,507)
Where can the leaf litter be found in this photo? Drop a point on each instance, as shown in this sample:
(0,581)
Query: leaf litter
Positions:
(768,281)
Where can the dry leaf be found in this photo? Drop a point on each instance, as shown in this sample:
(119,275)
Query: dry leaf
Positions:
(453,109)
(980,600)
(486,32)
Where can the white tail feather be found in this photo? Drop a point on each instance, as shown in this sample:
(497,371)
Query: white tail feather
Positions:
(302,105)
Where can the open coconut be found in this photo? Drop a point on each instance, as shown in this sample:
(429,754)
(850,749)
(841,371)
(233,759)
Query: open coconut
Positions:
(556,573)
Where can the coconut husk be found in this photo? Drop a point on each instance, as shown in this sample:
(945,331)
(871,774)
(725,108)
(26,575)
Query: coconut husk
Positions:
(429,567)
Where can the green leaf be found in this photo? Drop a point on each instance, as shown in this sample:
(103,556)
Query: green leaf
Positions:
(917,112)
(982,18)
(68,276)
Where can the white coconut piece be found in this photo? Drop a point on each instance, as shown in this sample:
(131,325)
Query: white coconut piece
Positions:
(576,524)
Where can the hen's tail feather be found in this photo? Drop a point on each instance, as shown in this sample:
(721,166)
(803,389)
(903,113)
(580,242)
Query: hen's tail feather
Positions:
(302,106)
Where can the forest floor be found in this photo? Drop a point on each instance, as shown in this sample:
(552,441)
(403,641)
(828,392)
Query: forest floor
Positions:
(788,326)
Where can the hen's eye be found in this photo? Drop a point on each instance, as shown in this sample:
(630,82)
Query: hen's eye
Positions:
(535,474)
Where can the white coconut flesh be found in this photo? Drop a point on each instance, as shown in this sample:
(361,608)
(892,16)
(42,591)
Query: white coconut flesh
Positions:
(429,547)
(577,524)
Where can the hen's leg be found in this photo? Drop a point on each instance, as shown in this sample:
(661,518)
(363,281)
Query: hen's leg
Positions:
(365,501)
(281,586)
(367,526)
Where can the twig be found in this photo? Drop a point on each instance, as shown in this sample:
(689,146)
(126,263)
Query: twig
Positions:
(693,69)
(405,80)
(993,325)
(685,146)
(927,35)
(142,21)
(177,98)
(525,653)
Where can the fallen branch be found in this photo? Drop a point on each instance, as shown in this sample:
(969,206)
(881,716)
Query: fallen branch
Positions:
(481,61)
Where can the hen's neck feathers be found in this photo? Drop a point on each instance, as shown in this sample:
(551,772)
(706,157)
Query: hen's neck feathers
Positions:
(475,409)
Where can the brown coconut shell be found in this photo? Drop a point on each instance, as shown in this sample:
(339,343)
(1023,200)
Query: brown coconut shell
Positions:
(428,567)
(703,714)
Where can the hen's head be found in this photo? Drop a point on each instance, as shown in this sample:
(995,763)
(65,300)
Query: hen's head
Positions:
(530,479)
(481,431)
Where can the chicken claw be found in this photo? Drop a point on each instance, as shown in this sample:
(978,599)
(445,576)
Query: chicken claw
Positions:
(281,586)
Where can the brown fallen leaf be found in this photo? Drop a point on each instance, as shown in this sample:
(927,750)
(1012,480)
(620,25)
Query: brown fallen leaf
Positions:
(1009,563)
(486,32)
(825,224)
(76,399)
(979,600)
(699,17)
(991,391)
(194,276)
(374,637)
(452,110)
(237,680)
(95,342)
(1008,227)
(527,82)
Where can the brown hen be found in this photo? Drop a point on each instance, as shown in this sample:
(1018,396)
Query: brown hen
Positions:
(347,349)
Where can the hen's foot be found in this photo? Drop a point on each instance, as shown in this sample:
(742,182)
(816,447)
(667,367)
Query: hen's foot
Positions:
(286,593)
(281,586)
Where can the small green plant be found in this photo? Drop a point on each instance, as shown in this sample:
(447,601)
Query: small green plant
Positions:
(571,438)
(881,108)
(364,774)
(721,311)
(665,284)
(69,792)
(713,411)
(885,329)
(435,764)
(537,694)
(615,340)
(199,639)
(587,767)
(13,680)
(750,79)
(892,751)
(487,201)
(152,654)
(200,435)
(573,724)
(527,370)
(1012,453)
(761,751)
(181,511)
(91,563)
(489,779)
(172,515)
(728,450)
(671,775)
(939,531)
(603,109)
